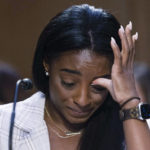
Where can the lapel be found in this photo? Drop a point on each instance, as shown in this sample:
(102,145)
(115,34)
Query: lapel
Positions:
(30,130)
(30,120)
(30,112)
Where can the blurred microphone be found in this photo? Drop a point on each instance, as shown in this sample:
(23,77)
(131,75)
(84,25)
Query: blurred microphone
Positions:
(26,84)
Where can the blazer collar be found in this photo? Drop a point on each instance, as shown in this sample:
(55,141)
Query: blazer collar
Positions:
(30,112)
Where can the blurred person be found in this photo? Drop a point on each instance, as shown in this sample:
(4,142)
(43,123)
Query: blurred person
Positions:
(142,76)
(8,78)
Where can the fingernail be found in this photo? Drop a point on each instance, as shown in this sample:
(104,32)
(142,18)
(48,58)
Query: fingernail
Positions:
(136,35)
(113,40)
(130,25)
(92,84)
(121,29)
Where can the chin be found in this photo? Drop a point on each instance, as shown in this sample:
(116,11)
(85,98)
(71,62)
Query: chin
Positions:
(77,119)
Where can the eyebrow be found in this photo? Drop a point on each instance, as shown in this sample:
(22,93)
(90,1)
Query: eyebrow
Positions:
(71,71)
(107,76)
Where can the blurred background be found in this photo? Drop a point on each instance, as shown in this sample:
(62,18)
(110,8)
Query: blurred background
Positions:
(23,20)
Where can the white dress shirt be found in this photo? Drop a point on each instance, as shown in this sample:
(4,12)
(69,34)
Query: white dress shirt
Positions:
(30,130)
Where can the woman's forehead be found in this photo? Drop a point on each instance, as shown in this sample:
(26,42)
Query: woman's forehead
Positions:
(84,55)
(83,60)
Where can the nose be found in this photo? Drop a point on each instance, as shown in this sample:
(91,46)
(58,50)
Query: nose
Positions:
(82,98)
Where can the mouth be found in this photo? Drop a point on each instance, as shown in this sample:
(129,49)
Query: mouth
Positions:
(79,113)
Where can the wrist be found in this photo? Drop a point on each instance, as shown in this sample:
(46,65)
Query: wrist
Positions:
(131,104)
(140,112)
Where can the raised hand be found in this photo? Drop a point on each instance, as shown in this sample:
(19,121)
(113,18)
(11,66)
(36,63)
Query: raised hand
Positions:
(122,83)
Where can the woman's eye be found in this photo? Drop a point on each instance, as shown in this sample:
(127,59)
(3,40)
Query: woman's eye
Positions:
(98,88)
(67,84)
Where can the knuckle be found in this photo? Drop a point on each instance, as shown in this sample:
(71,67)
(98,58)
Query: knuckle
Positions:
(127,50)
(119,56)
(131,48)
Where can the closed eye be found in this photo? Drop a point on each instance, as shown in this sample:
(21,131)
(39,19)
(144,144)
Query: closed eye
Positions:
(67,84)
(97,88)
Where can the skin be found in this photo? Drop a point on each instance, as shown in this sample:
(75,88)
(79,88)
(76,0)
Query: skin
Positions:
(73,96)
(121,86)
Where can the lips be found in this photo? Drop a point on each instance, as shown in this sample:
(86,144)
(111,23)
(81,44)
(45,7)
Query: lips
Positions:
(79,113)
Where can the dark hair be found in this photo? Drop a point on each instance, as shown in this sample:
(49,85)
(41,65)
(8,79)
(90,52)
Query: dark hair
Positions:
(76,28)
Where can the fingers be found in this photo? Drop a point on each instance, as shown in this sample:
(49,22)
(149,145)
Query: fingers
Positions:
(131,45)
(117,54)
(129,36)
(134,38)
(126,56)
(106,83)
(125,46)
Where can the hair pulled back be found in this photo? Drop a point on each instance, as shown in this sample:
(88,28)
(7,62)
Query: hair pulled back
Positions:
(76,28)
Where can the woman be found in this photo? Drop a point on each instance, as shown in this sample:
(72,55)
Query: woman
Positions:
(85,79)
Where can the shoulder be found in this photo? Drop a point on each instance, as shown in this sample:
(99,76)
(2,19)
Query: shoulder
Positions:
(30,130)
(29,113)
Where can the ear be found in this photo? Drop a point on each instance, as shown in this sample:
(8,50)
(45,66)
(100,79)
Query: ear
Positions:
(46,66)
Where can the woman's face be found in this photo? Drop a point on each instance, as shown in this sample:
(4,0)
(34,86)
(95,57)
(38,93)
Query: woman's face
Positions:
(70,83)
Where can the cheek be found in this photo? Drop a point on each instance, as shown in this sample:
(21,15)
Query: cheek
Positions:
(57,93)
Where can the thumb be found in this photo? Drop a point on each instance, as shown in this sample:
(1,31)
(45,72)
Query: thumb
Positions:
(106,83)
